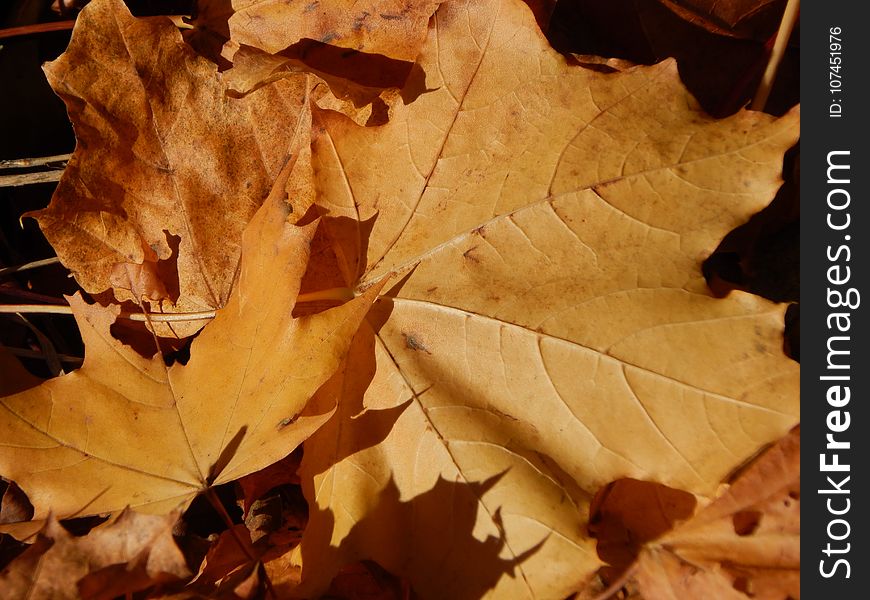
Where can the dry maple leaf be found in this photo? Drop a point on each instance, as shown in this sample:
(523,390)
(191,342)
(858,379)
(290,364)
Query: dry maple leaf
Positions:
(366,105)
(391,29)
(132,553)
(553,331)
(746,544)
(168,168)
(127,430)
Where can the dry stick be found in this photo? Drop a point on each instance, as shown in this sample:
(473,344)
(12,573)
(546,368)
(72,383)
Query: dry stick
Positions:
(27,353)
(30,178)
(37,28)
(23,163)
(31,265)
(789,18)
(51,357)
(328,294)
(177,20)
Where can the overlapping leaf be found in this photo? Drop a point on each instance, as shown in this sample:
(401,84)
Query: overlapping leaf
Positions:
(132,553)
(168,169)
(391,29)
(745,544)
(553,331)
(127,430)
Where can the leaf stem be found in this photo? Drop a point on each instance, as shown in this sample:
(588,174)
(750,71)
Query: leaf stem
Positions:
(228,521)
(31,265)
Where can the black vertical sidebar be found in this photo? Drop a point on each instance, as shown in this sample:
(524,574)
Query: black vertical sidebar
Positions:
(835,368)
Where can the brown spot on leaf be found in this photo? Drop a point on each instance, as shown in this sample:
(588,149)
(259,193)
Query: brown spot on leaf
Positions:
(746,522)
(412,342)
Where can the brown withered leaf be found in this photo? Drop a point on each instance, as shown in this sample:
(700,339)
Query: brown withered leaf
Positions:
(232,549)
(746,544)
(552,331)
(133,553)
(395,30)
(126,430)
(162,151)
(748,18)
(256,484)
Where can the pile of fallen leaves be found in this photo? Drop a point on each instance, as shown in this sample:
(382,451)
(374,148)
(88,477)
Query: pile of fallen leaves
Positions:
(399,302)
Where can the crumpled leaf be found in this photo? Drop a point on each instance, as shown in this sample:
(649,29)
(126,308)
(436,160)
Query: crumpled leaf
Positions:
(127,430)
(132,553)
(553,331)
(746,544)
(173,155)
(366,105)
(392,29)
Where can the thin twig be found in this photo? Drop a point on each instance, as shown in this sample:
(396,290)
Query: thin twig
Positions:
(328,294)
(31,265)
(48,350)
(36,28)
(789,18)
(30,178)
(23,163)
(45,309)
(28,353)
(177,20)
(67,310)
(28,297)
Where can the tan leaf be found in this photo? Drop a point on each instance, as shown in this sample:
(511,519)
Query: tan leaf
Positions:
(392,29)
(553,331)
(172,155)
(366,105)
(745,544)
(126,430)
(133,553)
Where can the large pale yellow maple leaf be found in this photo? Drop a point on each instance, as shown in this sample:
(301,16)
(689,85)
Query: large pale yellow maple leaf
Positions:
(552,331)
(124,430)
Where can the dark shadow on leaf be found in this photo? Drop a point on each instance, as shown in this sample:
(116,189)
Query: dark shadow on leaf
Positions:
(370,70)
(627,513)
(226,454)
(428,539)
